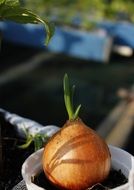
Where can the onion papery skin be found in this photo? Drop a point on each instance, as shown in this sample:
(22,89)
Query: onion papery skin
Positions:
(76,158)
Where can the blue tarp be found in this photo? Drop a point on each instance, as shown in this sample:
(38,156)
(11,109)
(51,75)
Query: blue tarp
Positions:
(86,45)
(25,34)
(122,32)
(80,44)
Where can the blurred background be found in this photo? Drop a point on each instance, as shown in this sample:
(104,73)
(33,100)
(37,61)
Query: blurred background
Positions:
(94,44)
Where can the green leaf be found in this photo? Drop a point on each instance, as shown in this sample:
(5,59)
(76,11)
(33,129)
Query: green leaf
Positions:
(67,96)
(38,142)
(11,10)
(27,144)
(50,29)
(72,94)
(38,139)
(77,112)
(2,1)
(12,2)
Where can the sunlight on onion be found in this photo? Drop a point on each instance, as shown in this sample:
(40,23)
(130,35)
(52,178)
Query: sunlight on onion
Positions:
(76,157)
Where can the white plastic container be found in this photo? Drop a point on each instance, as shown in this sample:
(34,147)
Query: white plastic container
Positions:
(120,160)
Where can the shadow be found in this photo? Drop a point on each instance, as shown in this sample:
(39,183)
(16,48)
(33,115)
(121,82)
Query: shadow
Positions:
(73,143)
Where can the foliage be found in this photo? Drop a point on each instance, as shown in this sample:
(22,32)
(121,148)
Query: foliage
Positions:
(87,9)
(12,10)
(38,140)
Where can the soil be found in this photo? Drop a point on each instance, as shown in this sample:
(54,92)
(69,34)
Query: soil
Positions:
(115,179)
(12,157)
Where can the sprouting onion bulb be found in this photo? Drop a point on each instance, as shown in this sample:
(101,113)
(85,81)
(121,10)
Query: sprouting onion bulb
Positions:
(75,158)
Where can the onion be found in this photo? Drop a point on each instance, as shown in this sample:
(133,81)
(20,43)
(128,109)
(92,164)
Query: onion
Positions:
(76,157)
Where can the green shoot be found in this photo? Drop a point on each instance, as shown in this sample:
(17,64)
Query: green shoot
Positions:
(68,98)
(38,140)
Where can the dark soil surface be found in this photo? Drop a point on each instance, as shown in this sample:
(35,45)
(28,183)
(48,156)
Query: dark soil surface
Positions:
(11,158)
(115,179)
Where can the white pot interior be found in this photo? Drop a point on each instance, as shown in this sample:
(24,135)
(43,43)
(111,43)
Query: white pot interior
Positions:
(120,160)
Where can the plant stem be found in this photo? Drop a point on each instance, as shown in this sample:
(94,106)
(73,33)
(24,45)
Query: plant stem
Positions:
(68,98)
